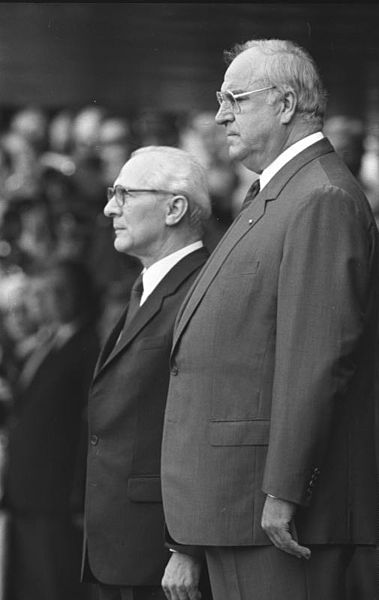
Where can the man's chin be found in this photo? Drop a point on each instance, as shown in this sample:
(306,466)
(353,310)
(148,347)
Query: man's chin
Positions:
(236,152)
(120,246)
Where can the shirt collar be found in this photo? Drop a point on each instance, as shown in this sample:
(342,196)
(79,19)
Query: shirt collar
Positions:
(157,271)
(283,158)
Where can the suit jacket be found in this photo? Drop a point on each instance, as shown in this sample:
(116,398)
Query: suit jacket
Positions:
(124,516)
(271,387)
(46,458)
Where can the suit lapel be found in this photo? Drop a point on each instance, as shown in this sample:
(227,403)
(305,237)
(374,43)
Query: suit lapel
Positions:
(110,342)
(244,222)
(150,307)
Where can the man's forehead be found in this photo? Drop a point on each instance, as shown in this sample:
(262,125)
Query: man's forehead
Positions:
(246,68)
(135,170)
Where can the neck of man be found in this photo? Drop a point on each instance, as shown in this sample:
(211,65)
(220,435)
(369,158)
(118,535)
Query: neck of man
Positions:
(169,246)
(289,136)
(297,133)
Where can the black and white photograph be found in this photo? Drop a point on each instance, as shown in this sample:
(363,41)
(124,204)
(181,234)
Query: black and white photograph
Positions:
(189,301)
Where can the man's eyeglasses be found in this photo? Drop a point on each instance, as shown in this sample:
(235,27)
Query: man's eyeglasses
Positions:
(230,100)
(120,193)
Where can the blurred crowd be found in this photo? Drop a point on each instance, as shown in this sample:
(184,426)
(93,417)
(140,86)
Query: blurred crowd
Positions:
(60,275)
(62,286)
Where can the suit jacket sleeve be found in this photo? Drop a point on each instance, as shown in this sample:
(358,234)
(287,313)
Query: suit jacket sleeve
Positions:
(194,551)
(323,302)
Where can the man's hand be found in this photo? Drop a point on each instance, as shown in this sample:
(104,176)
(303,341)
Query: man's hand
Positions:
(181,577)
(277,524)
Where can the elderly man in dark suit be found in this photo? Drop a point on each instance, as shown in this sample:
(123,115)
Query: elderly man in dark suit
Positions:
(158,204)
(268,459)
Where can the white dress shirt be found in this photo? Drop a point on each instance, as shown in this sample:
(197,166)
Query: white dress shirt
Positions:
(155,273)
(283,158)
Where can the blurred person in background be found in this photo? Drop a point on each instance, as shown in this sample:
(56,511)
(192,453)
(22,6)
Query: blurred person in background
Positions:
(88,175)
(37,235)
(23,179)
(12,257)
(60,132)
(5,172)
(19,322)
(31,123)
(18,338)
(60,144)
(45,471)
(156,128)
(348,136)
(85,131)
(114,146)
(19,334)
(205,140)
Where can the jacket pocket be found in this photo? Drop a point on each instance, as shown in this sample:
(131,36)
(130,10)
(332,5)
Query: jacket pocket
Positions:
(239,433)
(153,341)
(251,269)
(145,489)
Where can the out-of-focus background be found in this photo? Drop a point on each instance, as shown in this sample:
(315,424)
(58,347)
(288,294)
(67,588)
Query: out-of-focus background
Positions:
(81,86)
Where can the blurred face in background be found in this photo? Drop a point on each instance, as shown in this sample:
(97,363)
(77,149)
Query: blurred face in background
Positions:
(113,147)
(20,318)
(347,136)
(60,294)
(60,132)
(31,124)
(85,131)
(40,302)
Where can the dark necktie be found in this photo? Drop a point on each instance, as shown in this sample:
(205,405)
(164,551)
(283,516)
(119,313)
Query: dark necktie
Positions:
(135,299)
(253,191)
(134,304)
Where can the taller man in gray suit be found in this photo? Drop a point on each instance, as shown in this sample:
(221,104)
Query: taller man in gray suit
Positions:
(268,448)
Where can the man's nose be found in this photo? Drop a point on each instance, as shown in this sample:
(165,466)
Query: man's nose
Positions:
(111,208)
(224,114)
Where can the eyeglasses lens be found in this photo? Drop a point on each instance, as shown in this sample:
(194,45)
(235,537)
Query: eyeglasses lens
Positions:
(118,194)
(230,103)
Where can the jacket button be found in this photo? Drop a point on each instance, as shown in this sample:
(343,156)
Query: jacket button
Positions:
(174,370)
(94,440)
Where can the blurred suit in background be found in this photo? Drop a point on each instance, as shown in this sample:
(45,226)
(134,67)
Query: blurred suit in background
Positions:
(45,474)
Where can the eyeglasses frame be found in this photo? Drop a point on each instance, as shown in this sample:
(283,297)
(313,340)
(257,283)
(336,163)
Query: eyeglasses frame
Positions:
(111,193)
(235,97)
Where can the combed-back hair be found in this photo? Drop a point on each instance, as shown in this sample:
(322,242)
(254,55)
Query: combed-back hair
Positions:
(180,172)
(289,66)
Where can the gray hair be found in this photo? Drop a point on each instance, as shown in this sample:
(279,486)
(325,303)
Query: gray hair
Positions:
(290,67)
(178,171)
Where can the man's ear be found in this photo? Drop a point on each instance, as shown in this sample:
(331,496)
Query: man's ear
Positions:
(176,208)
(288,106)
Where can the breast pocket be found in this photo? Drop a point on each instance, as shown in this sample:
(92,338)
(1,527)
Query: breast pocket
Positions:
(159,341)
